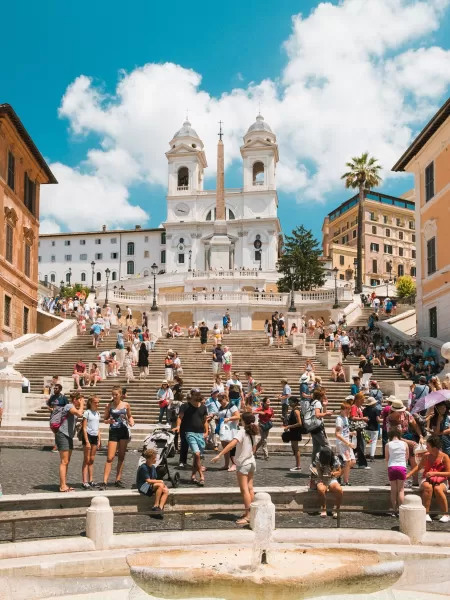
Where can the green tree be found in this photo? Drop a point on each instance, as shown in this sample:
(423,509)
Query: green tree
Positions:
(363,175)
(406,287)
(301,251)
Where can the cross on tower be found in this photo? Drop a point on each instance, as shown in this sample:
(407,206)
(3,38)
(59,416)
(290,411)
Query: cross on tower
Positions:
(220,134)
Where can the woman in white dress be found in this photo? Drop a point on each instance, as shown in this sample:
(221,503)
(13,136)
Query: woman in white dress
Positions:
(135,347)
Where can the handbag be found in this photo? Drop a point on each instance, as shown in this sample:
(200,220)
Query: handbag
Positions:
(286,436)
(266,426)
(357,425)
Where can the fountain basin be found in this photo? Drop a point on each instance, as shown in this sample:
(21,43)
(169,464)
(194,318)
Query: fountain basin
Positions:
(292,572)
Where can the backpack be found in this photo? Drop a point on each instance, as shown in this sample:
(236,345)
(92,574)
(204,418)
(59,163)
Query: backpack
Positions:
(57,418)
(309,420)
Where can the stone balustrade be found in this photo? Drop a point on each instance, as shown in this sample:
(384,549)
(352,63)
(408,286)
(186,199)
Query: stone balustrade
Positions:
(224,297)
(224,274)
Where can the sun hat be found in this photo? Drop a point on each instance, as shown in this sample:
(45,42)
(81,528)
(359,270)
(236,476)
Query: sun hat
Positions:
(214,392)
(370,401)
(396,404)
(304,377)
(356,377)
(164,382)
(351,397)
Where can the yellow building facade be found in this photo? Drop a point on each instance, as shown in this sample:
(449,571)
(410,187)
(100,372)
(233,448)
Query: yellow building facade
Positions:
(389,238)
(22,171)
(428,158)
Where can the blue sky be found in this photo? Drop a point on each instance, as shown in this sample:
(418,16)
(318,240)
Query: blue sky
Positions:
(328,94)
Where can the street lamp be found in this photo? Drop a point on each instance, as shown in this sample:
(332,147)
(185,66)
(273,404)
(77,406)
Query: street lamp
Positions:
(336,301)
(69,275)
(154,271)
(355,266)
(92,285)
(292,273)
(61,287)
(190,259)
(107,273)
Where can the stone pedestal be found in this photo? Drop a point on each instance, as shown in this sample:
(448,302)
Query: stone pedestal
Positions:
(155,322)
(220,247)
(10,386)
(100,522)
(262,514)
(412,518)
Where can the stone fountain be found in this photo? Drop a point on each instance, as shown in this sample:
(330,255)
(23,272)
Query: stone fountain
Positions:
(264,570)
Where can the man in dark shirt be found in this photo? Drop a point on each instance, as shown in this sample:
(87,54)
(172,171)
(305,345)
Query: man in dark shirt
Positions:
(192,422)
(372,411)
(203,329)
(217,359)
(57,398)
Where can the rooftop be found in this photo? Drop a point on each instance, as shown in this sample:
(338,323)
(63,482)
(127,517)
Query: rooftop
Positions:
(7,109)
(375,197)
(424,136)
(101,232)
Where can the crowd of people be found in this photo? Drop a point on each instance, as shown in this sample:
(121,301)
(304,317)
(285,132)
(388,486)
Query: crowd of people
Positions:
(236,417)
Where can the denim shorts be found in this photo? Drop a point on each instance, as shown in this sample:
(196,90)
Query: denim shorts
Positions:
(196,441)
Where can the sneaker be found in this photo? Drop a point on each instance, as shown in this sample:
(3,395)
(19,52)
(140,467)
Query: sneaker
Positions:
(428,519)
(367,468)
(86,486)
(295,469)
(54,449)
(348,483)
(103,486)
(119,484)
(445,519)
(93,485)
(181,466)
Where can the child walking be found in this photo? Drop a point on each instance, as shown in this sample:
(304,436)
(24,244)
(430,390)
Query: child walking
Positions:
(397,455)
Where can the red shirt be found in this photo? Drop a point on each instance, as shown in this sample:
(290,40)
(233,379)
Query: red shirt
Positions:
(80,368)
(265,415)
(355,412)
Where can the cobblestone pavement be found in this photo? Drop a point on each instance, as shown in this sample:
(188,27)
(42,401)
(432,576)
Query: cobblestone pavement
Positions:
(35,471)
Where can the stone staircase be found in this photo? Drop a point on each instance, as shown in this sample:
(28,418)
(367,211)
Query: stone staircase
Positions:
(250,352)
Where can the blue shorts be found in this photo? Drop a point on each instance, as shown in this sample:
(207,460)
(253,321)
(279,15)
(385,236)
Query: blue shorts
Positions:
(196,442)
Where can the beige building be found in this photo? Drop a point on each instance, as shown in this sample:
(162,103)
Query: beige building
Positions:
(22,171)
(428,158)
(389,238)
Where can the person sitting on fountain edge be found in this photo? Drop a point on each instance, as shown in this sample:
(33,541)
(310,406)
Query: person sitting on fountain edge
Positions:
(147,481)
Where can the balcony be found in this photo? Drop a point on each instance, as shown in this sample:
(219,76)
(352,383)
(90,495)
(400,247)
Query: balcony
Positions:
(182,188)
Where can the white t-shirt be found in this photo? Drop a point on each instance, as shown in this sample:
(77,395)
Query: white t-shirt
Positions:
(93,421)
(343,426)
(244,448)
(227,430)
(397,453)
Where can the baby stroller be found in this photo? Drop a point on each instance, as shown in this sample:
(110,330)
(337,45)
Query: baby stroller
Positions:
(162,440)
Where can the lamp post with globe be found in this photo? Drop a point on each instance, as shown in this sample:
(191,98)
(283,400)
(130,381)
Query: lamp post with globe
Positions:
(292,273)
(154,271)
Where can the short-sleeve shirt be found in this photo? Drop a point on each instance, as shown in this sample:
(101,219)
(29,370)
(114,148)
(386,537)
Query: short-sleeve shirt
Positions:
(93,421)
(54,401)
(203,333)
(218,355)
(372,413)
(68,425)
(193,417)
(145,472)
(286,392)
(234,389)
(244,448)
(212,406)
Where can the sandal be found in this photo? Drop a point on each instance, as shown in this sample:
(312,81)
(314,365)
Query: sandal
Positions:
(243,521)
(69,489)
(323,513)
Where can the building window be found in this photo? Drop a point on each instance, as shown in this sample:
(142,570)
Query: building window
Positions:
(146,273)
(431,256)
(114,275)
(11,170)
(341,260)
(374,247)
(429,182)
(258,173)
(53,243)
(82,242)
(83,256)
(341,276)
(39,258)
(388,233)
(397,222)
(27,261)
(83,277)
(374,266)
(163,238)
(413,271)
(146,254)
(98,241)
(400,251)
(53,258)
(345,239)
(7,312)
(387,249)
(130,249)
(114,255)
(130,267)
(400,270)
(113,240)
(98,276)
(66,242)
(183,178)
(181,259)
(354,233)
(68,257)
(400,235)
(29,193)
(258,255)
(99,256)
(26,316)
(413,254)
(374,229)
(412,225)
(68,276)
(163,257)
(9,243)
(413,238)
(53,278)
(385,219)
(432,312)
(373,216)
(146,239)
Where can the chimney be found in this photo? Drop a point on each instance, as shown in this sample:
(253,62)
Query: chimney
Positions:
(103,228)
(137,227)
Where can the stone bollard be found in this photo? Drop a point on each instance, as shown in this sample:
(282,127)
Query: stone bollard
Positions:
(262,523)
(412,518)
(100,522)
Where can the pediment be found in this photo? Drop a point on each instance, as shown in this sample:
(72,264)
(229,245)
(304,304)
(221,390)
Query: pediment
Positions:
(185,150)
(259,142)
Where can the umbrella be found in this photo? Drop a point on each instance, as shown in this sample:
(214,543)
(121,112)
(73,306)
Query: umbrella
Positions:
(431,400)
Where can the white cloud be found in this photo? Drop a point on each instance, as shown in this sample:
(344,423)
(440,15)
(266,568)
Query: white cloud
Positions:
(49,226)
(354,80)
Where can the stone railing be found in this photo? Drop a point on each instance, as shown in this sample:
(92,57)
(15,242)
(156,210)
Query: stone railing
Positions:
(131,297)
(224,274)
(323,295)
(224,298)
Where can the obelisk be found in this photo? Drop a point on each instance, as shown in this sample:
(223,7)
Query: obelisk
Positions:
(220,242)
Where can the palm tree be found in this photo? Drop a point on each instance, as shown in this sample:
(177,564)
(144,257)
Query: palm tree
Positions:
(363,175)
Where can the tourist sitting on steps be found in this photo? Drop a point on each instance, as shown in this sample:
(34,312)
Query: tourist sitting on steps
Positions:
(148,484)
(337,373)
(325,471)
